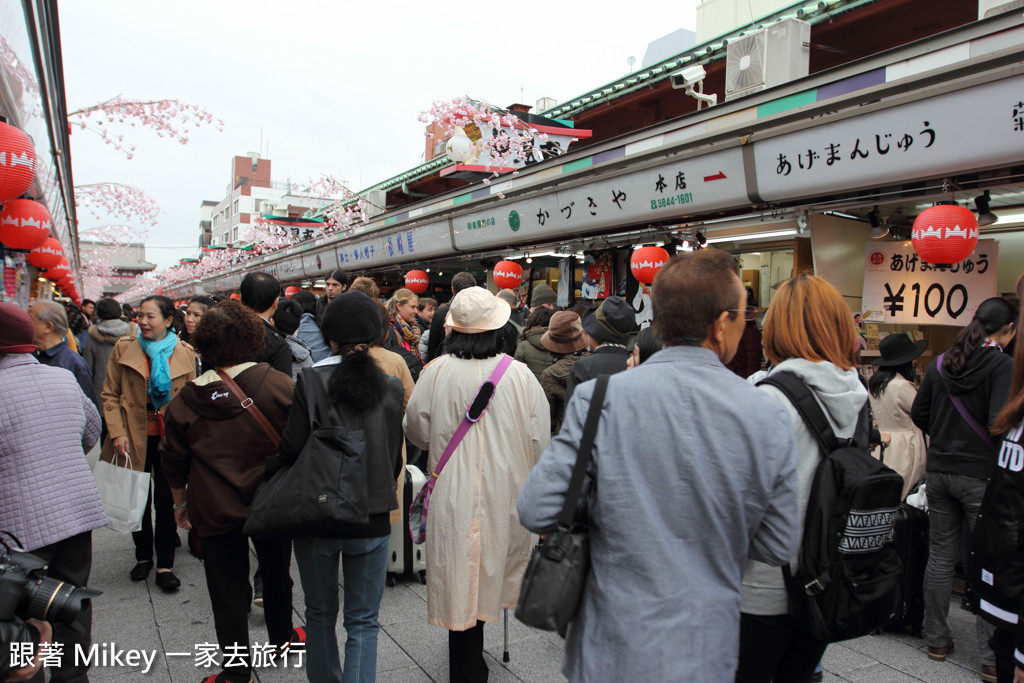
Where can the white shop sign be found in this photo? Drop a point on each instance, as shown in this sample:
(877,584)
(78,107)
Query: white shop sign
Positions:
(900,288)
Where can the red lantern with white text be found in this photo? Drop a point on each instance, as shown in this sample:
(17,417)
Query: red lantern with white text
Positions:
(47,254)
(945,234)
(646,262)
(24,224)
(58,271)
(291,290)
(17,162)
(417,281)
(508,274)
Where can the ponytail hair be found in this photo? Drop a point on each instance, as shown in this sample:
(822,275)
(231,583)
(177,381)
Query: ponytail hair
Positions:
(992,315)
(357,383)
(1013,412)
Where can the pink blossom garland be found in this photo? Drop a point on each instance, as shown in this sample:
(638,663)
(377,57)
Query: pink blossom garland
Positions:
(117,199)
(169,118)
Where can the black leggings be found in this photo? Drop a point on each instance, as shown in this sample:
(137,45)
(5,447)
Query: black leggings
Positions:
(166,537)
(776,648)
(466,662)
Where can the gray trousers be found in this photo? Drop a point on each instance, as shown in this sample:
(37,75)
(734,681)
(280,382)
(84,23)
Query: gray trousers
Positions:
(951,498)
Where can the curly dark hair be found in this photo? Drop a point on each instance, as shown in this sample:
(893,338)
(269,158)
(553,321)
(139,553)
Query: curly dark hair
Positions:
(228,334)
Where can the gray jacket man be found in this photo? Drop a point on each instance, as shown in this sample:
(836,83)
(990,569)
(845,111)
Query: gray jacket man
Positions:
(693,472)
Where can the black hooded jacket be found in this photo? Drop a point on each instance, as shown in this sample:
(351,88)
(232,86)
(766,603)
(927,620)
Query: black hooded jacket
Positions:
(983,386)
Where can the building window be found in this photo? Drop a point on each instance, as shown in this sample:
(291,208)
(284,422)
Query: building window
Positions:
(437,149)
(215,221)
(236,206)
(234,235)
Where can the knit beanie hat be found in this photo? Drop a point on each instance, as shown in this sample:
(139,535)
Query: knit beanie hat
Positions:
(16,330)
(352,318)
(543,294)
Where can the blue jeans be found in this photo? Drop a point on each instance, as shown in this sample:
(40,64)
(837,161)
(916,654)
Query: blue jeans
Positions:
(951,498)
(364,563)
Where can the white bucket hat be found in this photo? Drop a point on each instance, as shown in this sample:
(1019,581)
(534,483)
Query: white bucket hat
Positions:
(475,310)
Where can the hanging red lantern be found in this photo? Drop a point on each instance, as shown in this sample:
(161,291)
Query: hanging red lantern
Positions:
(646,262)
(236,296)
(945,234)
(291,290)
(508,274)
(17,162)
(58,271)
(47,254)
(417,281)
(24,224)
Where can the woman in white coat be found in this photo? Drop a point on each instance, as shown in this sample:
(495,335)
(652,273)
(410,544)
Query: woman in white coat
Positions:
(477,551)
(892,394)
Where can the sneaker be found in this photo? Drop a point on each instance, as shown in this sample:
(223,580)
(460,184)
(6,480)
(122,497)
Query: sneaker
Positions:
(988,673)
(939,653)
(218,678)
(257,598)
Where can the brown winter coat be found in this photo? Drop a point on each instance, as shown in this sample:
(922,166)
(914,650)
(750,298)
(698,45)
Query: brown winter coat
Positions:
(554,380)
(125,394)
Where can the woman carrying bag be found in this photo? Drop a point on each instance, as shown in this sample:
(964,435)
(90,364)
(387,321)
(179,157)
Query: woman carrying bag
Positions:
(353,394)
(477,551)
(143,374)
(218,449)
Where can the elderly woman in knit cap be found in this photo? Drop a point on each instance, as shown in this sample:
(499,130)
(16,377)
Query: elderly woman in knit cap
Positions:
(355,395)
(568,343)
(477,551)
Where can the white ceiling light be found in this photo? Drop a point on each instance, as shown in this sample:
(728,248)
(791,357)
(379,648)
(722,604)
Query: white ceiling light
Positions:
(752,236)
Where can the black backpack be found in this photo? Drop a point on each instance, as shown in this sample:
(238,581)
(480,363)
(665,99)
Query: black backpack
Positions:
(847,582)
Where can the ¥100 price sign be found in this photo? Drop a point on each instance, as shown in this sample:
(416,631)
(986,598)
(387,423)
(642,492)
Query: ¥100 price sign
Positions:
(901,288)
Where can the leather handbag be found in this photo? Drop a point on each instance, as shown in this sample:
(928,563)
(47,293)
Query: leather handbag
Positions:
(553,584)
(324,489)
(421,504)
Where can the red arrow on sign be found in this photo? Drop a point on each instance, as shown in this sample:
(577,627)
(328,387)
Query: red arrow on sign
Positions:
(717,176)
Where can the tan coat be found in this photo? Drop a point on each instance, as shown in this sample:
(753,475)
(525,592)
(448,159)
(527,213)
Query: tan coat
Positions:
(907,452)
(476,549)
(390,363)
(125,394)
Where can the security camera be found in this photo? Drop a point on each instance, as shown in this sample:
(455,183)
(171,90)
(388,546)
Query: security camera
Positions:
(688,77)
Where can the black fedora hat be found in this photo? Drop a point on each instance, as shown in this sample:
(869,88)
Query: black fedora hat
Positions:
(898,349)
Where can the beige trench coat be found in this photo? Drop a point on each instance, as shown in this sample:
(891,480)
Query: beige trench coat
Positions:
(477,551)
(125,394)
(390,363)
(907,452)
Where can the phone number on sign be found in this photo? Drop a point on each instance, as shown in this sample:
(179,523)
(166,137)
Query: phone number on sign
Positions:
(662,202)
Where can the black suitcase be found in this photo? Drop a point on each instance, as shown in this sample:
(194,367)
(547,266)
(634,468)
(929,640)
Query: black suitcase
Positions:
(910,535)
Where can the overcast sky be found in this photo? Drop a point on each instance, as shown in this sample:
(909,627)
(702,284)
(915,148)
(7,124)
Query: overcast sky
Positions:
(331,86)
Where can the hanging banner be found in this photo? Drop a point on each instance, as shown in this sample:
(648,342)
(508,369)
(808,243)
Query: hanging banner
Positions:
(901,288)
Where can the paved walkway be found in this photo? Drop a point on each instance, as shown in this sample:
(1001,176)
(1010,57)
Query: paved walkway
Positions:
(140,616)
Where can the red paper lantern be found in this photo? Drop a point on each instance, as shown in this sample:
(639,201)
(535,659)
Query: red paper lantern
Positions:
(17,162)
(236,296)
(945,234)
(291,290)
(646,262)
(47,254)
(417,281)
(508,274)
(58,271)
(24,224)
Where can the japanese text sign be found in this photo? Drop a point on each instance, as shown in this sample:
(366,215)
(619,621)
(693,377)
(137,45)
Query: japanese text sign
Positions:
(901,288)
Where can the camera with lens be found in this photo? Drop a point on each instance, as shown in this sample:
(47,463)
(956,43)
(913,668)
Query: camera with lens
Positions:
(27,592)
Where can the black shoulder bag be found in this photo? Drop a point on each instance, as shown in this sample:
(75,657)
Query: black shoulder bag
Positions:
(324,489)
(554,579)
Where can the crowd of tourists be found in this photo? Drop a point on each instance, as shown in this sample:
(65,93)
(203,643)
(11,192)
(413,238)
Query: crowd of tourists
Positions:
(703,469)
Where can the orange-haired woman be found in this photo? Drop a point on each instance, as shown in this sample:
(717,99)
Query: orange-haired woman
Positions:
(808,331)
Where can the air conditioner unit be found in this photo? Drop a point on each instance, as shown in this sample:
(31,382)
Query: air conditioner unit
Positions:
(990,8)
(375,202)
(771,56)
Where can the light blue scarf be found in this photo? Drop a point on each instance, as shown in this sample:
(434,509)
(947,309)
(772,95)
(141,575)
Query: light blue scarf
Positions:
(159,353)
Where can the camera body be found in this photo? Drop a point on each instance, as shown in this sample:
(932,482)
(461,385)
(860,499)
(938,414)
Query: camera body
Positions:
(26,591)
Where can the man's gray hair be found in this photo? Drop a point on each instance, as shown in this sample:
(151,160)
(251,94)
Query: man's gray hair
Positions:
(53,313)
